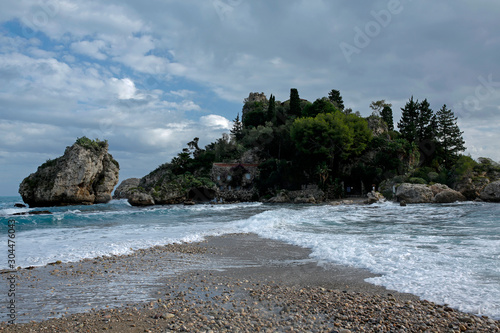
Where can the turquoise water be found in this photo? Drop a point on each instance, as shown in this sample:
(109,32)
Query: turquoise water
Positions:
(448,253)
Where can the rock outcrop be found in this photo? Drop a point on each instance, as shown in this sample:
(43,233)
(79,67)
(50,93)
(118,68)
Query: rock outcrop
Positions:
(491,192)
(374,197)
(126,188)
(137,198)
(85,174)
(419,193)
(414,193)
(444,194)
(163,187)
(311,194)
(449,196)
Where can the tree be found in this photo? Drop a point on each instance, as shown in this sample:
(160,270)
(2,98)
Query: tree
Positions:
(295,103)
(449,136)
(271,109)
(336,99)
(321,105)
(408,123)
(425,130)
(387,117)
(254,116)
(237,130)
(378,106)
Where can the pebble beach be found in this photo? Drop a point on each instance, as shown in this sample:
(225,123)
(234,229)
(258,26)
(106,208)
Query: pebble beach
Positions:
(230,283)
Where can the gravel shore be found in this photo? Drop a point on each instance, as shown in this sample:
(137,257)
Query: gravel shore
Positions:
(232,283)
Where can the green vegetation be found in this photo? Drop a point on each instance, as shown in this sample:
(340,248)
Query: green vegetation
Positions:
(297,142)
(87,143)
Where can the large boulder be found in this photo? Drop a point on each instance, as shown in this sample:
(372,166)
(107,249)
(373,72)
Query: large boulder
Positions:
(137,198)
(438,188)
(414,193)
(126,187)
(491,192)
(85,174)
(449,196)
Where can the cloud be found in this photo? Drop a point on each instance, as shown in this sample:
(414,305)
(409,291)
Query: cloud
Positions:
(216,121)
(92,49)
(150,76)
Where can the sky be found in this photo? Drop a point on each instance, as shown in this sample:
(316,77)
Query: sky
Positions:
(150,75)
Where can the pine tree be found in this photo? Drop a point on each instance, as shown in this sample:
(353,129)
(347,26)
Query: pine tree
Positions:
(336,99)
(271,110)
(295,109)
(425,130)
(449,136)
(408,123)
(237,130)
(387,117)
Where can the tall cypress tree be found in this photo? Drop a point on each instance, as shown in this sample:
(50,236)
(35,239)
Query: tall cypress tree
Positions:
(387,117)
(408,123)
(295,103)
(271,109)
(449,136)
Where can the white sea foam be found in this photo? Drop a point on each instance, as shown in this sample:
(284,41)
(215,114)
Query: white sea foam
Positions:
(443,253)
(430,251)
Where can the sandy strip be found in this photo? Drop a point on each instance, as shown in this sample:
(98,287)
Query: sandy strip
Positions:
(232,283)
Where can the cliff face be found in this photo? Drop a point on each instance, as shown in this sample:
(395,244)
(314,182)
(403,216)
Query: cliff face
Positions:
(85,174)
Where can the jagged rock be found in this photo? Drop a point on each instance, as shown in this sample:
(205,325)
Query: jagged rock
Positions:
(472,187)
(280,198)
(140,199)
(402,203)
(438,188)
(414,193)
(305,199)
(19,205)
(449,196)
(491,192)
(374,197)
(124,190)
(85,174)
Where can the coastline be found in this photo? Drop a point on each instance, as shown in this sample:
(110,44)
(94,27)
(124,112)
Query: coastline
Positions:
(225,283)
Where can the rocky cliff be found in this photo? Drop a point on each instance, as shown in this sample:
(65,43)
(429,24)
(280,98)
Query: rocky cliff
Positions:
(85,174)
(163,187)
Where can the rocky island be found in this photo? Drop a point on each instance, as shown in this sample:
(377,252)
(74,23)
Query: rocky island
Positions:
(85,174)
(302,152)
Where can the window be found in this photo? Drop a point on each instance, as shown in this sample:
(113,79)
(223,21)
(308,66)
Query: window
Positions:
(248,176)
(229,177)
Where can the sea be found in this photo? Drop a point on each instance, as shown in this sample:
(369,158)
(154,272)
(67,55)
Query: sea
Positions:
(444,253)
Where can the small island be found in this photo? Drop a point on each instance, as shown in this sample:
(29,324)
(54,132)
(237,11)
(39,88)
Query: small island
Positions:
(303,152)
(85,174)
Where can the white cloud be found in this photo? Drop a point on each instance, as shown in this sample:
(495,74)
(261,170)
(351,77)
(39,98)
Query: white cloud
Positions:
(125,88)
(200,58)
(92,49)
(216,121)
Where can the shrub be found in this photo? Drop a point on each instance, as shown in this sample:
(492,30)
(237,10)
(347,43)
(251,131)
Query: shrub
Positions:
(91,144)
(417,180)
